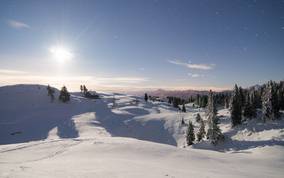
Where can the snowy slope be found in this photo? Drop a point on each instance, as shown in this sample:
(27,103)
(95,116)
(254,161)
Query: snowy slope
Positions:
(91,138)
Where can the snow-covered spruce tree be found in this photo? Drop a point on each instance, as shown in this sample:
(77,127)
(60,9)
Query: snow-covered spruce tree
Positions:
(249,108)
(190,137)
(201,133)
(146,97)
(275,100)
(176,103)
(183,108)
(85,90)
(227,102)
(242,97)
(253,105)
(236,108)
(270,102)
(267,113)
(281,95)
(214,133)
(198,118)
(64,95)
(182,121)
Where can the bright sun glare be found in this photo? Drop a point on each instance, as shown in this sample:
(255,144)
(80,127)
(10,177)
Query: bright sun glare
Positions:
(60,53)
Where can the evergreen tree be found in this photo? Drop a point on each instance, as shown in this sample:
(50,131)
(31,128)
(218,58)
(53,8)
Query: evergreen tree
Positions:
(257,99)
(270,101)
(242,96)
(170,99)
(275,100)
(236,108)
(249,110)
(175,102)
(201,133)
(267,113)
(64,95)
(198,118)
(281,95)
(50,92)
(214,133)
(190,137)
(203,101)
(146,97)
(182,121)
(227,102)
(85,90)
(197,100)
(183,108)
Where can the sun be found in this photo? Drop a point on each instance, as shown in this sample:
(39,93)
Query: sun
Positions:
(61,53)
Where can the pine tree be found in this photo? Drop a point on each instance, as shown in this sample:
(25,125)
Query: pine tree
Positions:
(257,99)
(198,118)
(50,92)
(176,103)
(190,137)
(182,121)
(275,100)
(281,95)
(267,113)
(242,96)
(214,133)
(236,108)
(197,100)
(227,102)
(85,90)
(64,95)
(270,102)
(249,110)
(183,108)
(201,133)
(146,97)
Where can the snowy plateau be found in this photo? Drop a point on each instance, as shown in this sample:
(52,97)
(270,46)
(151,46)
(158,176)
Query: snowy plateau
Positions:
(92,138)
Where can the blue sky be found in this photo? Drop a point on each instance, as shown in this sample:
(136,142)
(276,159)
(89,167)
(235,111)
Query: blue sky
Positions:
(134,44)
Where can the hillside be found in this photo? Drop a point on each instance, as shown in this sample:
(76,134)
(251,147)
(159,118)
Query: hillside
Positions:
(38,137)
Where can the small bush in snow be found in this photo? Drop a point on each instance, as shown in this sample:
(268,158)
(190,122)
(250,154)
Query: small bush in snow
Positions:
(64,95)
(198,118)
(50,92)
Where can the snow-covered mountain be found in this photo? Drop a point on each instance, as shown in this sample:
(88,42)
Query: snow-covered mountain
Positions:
(93,138)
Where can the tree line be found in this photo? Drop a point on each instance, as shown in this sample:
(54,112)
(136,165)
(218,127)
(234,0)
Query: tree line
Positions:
(214,133)
(266,100)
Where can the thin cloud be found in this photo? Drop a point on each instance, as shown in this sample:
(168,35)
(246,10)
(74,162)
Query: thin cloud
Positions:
(17,24)
(11,72)
(195,75)
(192,66)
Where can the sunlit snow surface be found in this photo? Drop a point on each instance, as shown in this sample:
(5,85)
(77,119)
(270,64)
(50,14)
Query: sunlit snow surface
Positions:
(86,138)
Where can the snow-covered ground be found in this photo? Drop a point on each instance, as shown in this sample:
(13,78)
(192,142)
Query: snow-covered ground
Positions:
(91,138)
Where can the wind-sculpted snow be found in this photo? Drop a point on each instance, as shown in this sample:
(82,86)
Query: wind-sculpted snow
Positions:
(28,115)
(133,138)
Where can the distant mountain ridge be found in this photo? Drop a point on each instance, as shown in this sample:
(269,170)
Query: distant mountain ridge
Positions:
(184,94)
